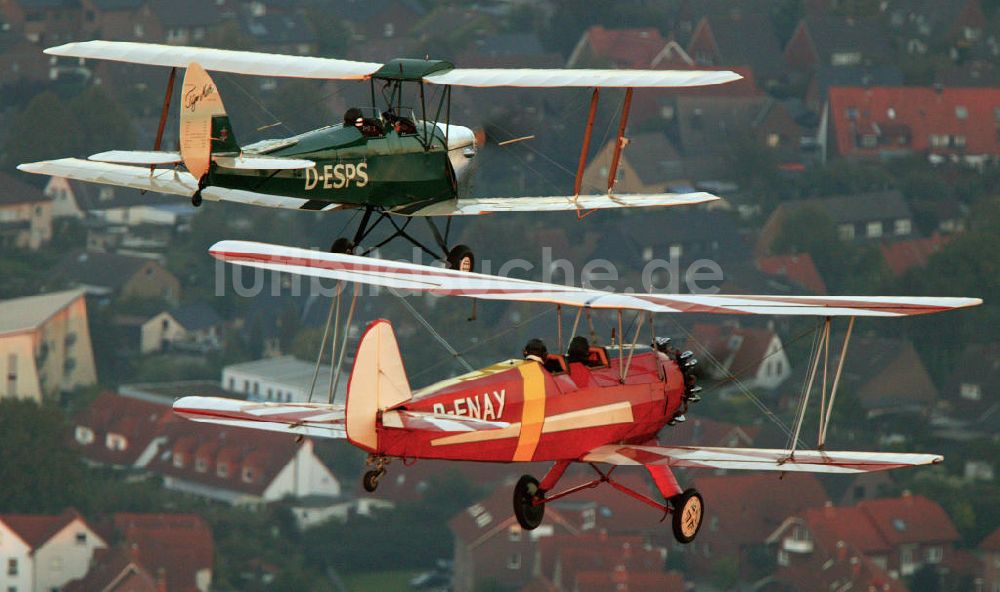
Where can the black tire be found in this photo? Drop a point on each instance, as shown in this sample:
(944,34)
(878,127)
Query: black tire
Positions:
(528,515)
(370,480)
(343,246)
(196,199)
(461,258)
(688,514)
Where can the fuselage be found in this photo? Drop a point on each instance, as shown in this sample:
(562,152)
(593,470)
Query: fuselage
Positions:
(387,168)
(551,416)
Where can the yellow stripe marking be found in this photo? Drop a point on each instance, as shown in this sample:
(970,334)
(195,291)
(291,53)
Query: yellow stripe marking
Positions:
(532,411)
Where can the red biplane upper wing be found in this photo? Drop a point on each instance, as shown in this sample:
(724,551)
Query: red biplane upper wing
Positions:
(449,282)
(302,419)
(757,459)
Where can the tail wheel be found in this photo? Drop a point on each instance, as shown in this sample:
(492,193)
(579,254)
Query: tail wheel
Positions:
(370,480)
(343,246)
(688,513)
(196,199)
(528,514)
(461,258)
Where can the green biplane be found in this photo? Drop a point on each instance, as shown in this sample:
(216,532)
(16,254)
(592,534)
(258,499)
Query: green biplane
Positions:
(384,159)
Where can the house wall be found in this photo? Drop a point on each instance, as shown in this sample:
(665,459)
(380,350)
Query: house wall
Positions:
(17,361)
(493,560)
(595,175)
(63,558)
(775,368)
(64,203)
(153,281)
(69,359)
(306,475)
(38,215)
(158,329)
(702,47)
(13,548)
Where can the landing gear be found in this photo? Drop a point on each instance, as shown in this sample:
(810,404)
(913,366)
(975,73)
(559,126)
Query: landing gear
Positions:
(461,258)
(371,477)
(527,509)
(688,512)
(343,246)
(370,480)
(196,198)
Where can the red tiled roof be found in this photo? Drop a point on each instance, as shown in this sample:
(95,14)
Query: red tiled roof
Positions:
(627,581)
(991,542)
(750,507)
(488,517)
(625,48)
(831,525)
(266,453)
(910,519)
(137,420)
(179,544)
(852,571)
(718,340)
(551,549)
(917,113)
(906,254)
(798,268)
(36,530)
(114,567)
(708,432)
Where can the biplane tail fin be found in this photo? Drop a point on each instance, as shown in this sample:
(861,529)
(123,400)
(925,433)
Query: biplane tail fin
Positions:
(205,129)
(378,382)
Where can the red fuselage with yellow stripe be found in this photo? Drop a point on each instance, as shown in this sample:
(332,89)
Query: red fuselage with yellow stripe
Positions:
(550,416)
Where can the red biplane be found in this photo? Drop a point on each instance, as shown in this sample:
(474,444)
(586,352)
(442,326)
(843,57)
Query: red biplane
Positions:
(605,409)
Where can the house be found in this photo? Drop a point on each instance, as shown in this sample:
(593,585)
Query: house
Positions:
(616,48)
(240,466)
(925,25)
(112,275)
(117,570)
(379,19)
(184,22)
(25,215)
(288,34)
(590,561)
(824,77)
(873,216)
(904,255)
(990,551)
(755,356)
(193,327)
(698,431)
(120,431)
(799,269)
(121,20)
(45,345)
(888,376)
(738,38)
(899,535)
(114,205)
(970,394)
(944,124)
(684,236)
(491,548)
(178,546)
(648,164)
(847,569)
(43,22)
(42,553)
(284,378)
(822,41)
(742,510)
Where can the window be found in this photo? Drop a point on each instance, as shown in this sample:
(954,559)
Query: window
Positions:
(903,226)
(139,31)
(676,250)
(935,554)
(996,113)
(970,391)
(958,141)
(12,375)
(852,113)
(179,460)
(906,556)
(783,557)
(84,435)
(890,113)
(961,112)
(388,30)
(869,141)
(514,533)
(200,465)
(514,561)
(222,470)
(874,229)
(12,567)
(81,538)
(845,58)
(248,475)
(773,140)
(115,442)
(846,232)
(939,141)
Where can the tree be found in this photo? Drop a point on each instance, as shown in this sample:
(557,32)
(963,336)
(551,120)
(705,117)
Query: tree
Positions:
(104,122)
(46,128)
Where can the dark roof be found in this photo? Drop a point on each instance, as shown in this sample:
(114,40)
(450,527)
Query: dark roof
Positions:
(835,34)
(863,207)
(105,270)
(196,316)
(275,29)
(649,154)
(14,191)
(360,11)
(50,3)
(887,374)
(874,75)
(932,19)
(112,5)
(748,39)
(510,44)
(186,13)
(707,124)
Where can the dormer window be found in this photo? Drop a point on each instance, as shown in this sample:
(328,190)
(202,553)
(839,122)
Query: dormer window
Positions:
(200,465)
(84,435)
(222,470)
(961,112)
(248,474)
(179,460)
(116,442)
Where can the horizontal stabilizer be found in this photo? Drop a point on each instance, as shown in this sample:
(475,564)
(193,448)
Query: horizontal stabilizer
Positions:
(253,163)
(304,419)
(452,282)
(169,181)
(490,205)
(137,157)
(758,459)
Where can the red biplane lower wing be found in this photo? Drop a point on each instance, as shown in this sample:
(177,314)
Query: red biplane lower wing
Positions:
(302,419)
(757,459)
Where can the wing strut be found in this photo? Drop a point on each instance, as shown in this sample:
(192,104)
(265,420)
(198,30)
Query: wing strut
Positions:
(827,397)
(163,114)
(621,141)
(585,149)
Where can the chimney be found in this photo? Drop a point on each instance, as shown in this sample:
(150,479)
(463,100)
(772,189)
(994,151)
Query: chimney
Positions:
(161,580)
(828,509)
(841,551)
(855,566)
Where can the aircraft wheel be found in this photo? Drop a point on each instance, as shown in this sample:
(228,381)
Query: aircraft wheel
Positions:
(196,199)
(343,246)
(528,515)
(688,513)
(461,258)
(370,480)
